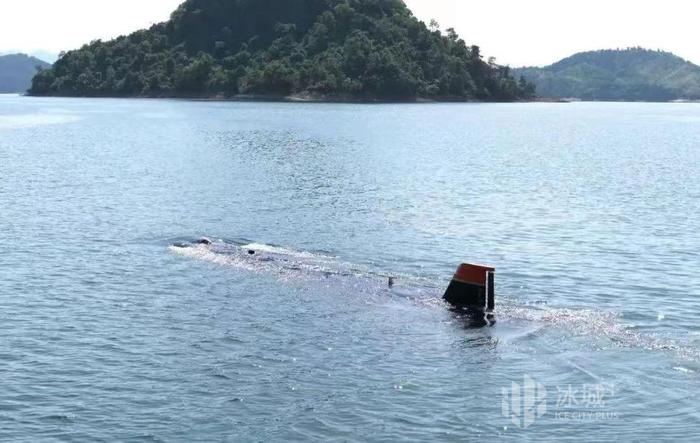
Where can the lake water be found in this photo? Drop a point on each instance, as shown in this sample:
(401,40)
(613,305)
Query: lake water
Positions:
(588,211)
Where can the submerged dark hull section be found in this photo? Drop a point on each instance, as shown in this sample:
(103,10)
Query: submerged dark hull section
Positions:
(471,291)
(466,295)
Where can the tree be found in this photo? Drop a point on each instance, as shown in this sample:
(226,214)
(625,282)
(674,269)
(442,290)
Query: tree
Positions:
(193,78)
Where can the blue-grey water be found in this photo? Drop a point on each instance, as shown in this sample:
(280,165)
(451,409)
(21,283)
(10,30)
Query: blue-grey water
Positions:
(108,332)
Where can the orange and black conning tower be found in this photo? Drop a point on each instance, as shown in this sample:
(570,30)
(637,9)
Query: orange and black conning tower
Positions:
(472,288)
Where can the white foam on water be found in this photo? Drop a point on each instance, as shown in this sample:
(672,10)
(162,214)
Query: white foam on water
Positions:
(599,324)
(285,264)
(204,253)
(260,247)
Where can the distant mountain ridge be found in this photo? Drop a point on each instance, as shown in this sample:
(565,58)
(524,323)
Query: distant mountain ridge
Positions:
(17,71)
(633,74)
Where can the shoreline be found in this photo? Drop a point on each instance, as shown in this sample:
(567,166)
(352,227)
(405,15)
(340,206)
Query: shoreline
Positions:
(295,98)
(303,98)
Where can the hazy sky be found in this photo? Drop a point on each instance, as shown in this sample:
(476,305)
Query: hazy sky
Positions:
(516,32)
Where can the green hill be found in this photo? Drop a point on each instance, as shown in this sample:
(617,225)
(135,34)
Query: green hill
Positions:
(17,70)
(335,49)
(632,74)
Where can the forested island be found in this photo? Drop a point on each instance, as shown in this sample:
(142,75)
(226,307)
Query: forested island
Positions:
(633,74)
(313,49)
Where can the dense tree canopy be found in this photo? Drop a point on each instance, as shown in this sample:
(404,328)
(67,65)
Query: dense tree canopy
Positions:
(325,48)
(620,74)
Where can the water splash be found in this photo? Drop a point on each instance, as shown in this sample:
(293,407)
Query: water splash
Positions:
(598,324)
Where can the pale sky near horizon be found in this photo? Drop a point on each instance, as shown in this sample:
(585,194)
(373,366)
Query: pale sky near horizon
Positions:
(516,32)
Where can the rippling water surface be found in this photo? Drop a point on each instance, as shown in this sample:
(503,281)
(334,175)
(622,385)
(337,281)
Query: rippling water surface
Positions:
(109,332)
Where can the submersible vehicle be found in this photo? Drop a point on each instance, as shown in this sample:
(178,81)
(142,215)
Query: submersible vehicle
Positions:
(470,293)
